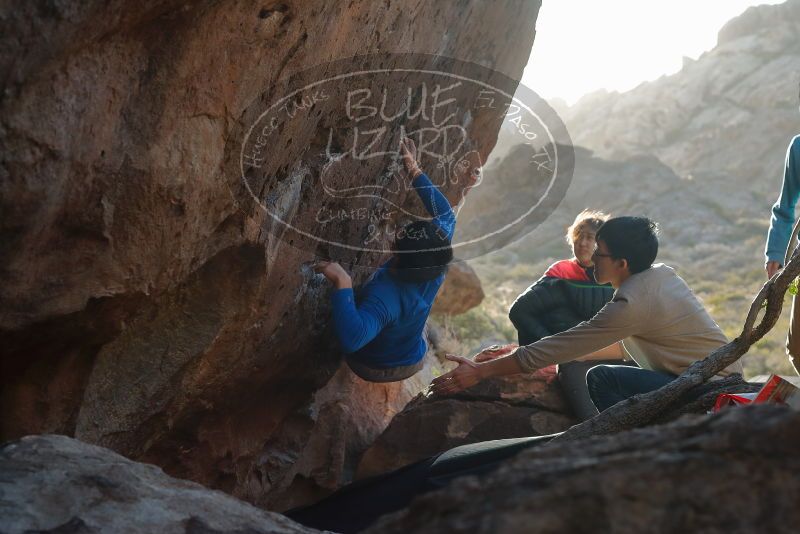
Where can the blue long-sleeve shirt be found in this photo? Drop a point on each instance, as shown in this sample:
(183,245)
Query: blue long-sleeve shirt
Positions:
(384,329)
(780,227)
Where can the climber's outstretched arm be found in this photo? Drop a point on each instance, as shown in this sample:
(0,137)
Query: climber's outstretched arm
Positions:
(435,202)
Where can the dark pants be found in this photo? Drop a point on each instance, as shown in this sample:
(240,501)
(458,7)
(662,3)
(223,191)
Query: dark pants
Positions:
(610,384)
(385,374)
(358,505)
(572,378)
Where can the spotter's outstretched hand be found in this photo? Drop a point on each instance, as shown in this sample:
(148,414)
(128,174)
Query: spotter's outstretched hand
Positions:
(466,375)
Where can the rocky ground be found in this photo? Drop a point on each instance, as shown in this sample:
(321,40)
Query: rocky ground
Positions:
(53,483)
(729,473)
(733,472)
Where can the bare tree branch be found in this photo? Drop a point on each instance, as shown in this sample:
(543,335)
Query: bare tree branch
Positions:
(702,398)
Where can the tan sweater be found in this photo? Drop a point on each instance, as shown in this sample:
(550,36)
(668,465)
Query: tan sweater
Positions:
(656,311)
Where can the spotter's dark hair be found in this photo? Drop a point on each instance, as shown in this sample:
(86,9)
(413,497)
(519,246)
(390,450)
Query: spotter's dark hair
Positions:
(634,239)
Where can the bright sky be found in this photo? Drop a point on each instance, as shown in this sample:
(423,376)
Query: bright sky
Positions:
(585,45)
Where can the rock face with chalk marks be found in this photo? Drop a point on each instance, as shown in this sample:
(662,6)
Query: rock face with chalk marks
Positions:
(148,304)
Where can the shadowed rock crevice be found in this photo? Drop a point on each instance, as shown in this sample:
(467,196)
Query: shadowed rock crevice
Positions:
(45,367)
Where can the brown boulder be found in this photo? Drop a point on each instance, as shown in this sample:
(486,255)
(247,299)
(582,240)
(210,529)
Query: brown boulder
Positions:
(460,292)
(53,483)
(148,304)
(728,473)
(509,407)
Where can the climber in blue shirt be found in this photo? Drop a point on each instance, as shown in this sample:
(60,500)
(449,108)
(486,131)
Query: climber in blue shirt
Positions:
(382,333)
(780,230)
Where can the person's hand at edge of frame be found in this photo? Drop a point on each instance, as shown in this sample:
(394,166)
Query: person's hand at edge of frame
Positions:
(772,267)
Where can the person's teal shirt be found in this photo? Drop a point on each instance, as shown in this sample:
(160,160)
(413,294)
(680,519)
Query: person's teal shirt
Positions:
(385,328)
(782,222)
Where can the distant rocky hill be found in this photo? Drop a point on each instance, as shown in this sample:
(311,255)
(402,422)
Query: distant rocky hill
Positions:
(725,117)
(720,126)
(700,151)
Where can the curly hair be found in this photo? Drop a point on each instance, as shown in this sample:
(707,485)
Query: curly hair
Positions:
(587,219)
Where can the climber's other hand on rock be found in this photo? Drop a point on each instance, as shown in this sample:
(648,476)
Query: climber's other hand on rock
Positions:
(466,375)
(408,151)
(335,273)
